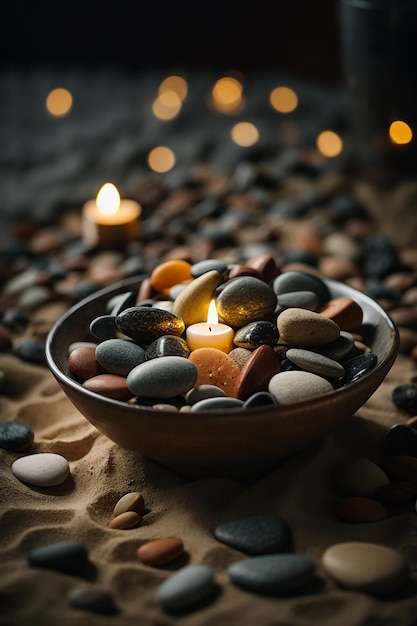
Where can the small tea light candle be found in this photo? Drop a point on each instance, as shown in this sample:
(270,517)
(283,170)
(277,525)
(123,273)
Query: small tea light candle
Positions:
(108,221)
(210,334)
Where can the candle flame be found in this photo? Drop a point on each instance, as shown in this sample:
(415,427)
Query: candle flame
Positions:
(212,316)
(108,199)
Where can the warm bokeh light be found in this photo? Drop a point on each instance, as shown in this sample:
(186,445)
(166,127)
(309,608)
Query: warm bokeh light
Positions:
(227,95)
(244,134)
(329,143)
(59,102)
(177,84)
(400,132)
(283,99)
(108,199)
(161,159)
(167,105)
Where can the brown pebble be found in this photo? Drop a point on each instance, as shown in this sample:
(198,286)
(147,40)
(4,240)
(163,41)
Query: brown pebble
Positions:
(408,339)
(215,367)
(109,385)
(146,291)
(360,509)
(126,520)
(160,551)
(82,363)
(404,317)
(299,327)
(256,373)
(242,270)
(344,311)
(266,266)
(337,268)
(396,493)
(133,501)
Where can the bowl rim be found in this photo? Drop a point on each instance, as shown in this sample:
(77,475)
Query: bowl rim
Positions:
(385,363)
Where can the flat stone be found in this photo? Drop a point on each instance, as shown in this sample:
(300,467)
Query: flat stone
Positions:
(364,566)
(67,557)
(245,299)
(294,386)
(119,356)
(15,436)
(358,477)
(164,377)
(273,574)
(302,328)
(92,599)
(314,362)
(338,349)
(186,588)
(44,469)
(145,324)
(298,299)
(257,534)
(160,551)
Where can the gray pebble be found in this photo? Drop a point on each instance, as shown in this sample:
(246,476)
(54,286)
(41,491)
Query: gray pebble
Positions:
(257,534)
(217,404)
(273,574)
(165,377)
(315,362)
(189,586)
(119,356)
(15,436)
(291,387)
(202,392)
(301,281)
(92,599)
(103,327)
(338,349)
(202,267)
(68,557)
(300,299)
(44,469)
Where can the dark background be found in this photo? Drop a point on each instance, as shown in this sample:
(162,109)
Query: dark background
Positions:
(296,36)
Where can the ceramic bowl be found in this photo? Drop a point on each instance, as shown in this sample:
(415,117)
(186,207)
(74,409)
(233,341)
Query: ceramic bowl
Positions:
(228,443)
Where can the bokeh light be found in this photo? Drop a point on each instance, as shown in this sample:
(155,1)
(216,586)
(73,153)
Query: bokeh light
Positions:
(329,143)
(167,105)
(283,99)
(400,132)
(174,83)
(59,102)
(244,134)
(227,95)
(161,159)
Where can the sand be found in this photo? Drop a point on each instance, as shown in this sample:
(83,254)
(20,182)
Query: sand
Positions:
(299,490)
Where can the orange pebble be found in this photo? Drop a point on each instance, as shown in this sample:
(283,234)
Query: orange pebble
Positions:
(170,273)
(344,311)
(217,368)
(160,551)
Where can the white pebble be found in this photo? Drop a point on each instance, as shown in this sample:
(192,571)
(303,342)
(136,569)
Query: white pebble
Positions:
(44,469)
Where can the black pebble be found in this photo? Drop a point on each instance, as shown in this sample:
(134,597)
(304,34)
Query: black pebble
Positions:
(405,398)
(400,440)
(92,599)
(32,351)
(357,367)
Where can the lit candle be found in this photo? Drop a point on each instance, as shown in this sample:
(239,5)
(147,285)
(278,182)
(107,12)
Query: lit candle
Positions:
(108,221)
(210,334)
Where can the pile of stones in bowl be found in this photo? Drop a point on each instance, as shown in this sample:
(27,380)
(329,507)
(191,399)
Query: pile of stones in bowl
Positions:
(289,340)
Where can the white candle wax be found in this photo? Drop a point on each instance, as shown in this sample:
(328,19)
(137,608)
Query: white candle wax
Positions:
(111,222)
(210,334)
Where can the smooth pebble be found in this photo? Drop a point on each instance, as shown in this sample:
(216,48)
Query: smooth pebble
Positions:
(302,328)
(133,501)
(217,404)
(186,588)
(254,535)
(109,385)
(125,521)
(119,356)
(315,363)
(291,281)
(364,566)
(67,557)
(358,366)
(256,334)
(245,299)
(44,469)
(160,551)
(164,377)
(202,392)
(145,324)
(192,304)
(294,386)
(167,345)
(257,371)
(400,440)
(92,599)
(357,476)
(273,574)
(15,436)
